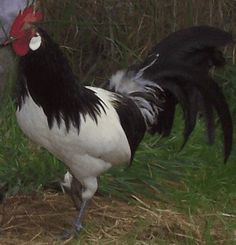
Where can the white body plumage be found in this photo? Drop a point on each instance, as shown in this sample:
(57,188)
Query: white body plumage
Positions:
(88,153)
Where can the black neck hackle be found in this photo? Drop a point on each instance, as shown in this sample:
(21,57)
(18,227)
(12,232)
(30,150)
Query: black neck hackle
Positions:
(49,80)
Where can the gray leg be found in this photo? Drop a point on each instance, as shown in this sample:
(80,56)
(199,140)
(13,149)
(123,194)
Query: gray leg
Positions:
(83,207)
(76,192)
(89,187)
(77,226)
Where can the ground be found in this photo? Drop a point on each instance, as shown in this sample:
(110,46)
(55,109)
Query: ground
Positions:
(40,219)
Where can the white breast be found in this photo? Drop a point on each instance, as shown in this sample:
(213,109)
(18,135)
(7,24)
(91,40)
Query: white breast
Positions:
(95,149)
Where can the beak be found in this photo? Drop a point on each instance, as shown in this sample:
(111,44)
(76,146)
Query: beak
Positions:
(7,42)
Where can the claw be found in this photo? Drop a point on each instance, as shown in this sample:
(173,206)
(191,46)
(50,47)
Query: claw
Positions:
(67,235)
(78,227)
(71,233)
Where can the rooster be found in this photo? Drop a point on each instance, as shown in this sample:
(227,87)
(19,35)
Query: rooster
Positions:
(91,129)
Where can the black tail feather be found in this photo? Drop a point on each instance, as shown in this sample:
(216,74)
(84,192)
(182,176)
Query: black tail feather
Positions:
(208,115)
(196,99)
(180,66)
(167,114)
(222,109)
(196,46)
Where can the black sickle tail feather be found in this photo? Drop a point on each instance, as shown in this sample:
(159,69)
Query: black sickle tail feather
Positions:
(183,71)
(222,109)
(195,100)
(196,47)
(180,67)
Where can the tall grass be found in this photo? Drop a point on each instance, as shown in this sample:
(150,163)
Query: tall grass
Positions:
(117,33)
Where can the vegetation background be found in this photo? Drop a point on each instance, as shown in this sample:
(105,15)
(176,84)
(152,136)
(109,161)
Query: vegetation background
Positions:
(173,197)
(102,36)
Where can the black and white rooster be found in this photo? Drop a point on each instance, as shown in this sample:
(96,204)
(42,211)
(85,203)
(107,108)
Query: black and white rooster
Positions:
(91,129)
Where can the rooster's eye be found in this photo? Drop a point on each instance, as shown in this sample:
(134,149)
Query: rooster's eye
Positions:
(35,42)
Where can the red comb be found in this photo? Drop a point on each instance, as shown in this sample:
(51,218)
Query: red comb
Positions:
(28,15)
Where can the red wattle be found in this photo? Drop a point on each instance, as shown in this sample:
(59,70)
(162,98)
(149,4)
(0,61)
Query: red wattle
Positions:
(21,47)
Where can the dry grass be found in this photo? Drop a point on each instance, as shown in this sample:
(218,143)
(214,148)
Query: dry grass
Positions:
(102,36)
(40,219)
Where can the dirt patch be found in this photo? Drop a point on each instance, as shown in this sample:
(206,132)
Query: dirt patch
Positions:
(41,219)
(34,219)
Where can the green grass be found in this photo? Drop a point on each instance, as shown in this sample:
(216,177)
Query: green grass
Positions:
(193,181)
(23,166)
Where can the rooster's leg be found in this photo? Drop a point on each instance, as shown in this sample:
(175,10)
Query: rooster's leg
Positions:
(75,193)
(77,227)
(80,204)
(85,192)
(89,187)
(78,223)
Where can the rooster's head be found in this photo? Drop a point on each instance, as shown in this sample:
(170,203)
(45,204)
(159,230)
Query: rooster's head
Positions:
(23,34)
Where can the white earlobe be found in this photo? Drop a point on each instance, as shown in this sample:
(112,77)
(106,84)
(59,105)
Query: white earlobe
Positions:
(35,42)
